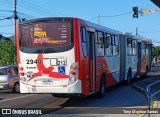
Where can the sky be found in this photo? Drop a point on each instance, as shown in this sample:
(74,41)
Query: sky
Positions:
(115,14)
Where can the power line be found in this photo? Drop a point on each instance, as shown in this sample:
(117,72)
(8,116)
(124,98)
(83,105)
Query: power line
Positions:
(51,11)
(12,22)
(7,18)
(7,1)
(8,4)
(111,15)
(32,7)
(94,18)
(7,25)
(117,15)
(4,1)
(25,15)
(36,8)
(6,11)
(151,32)
(6,33)
(158,10)
(3,16)
(47,10)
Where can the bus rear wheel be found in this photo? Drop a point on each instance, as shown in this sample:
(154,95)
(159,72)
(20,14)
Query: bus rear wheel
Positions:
(145,74)
(129,75)
(102,91)
(16,88)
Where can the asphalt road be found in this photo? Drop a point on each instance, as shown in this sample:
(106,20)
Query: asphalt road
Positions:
(117,99)
(120,96)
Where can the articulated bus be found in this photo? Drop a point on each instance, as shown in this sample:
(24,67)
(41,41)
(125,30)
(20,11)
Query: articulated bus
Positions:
(73,57)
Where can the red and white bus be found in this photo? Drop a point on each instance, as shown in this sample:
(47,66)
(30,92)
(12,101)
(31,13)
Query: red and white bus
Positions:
(71,56)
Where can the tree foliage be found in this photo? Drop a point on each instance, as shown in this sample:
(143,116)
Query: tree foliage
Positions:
(156,51)
(7,53)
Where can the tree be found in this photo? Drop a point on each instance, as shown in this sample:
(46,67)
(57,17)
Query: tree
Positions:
(156,51)
(7,53)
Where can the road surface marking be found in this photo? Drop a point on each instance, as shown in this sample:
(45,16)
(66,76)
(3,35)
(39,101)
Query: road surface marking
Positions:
(16,98)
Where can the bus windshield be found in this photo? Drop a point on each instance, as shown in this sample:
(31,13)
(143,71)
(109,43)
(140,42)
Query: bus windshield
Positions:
(45,34)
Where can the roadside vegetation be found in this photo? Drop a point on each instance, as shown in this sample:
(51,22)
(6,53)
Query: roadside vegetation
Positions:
(156,51)
(7,53)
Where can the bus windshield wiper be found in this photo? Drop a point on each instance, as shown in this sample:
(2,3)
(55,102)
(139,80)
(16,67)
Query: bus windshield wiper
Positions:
(41,51)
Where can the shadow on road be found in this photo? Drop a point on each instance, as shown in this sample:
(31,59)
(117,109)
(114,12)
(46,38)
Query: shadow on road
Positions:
(117,96)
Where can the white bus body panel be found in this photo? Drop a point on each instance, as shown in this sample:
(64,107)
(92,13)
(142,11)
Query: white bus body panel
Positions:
(46,82)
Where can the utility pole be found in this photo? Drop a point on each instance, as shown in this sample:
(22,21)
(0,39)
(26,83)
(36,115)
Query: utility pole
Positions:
(136,30)
(15,15)
(15,21)
(98,19)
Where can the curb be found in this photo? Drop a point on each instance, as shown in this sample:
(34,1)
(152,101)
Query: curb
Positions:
(139,89)
(156,104)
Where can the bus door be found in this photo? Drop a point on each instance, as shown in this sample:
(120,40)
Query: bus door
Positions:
(139,59)
(91,60)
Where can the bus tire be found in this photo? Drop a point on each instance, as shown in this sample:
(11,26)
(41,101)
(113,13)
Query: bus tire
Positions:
(60,95)
(56,95)
(145,75)
(129,76)
(102,91)
(16,88)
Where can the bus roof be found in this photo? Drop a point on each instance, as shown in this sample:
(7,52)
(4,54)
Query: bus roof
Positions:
(100,27)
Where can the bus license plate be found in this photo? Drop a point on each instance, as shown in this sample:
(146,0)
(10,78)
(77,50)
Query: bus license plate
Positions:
(47,82)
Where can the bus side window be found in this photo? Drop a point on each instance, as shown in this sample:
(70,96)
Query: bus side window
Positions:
(108,45)
(84,41)
(134,47)
(147,48)
(100,44)
(129,46)
(143,47)
(115,45)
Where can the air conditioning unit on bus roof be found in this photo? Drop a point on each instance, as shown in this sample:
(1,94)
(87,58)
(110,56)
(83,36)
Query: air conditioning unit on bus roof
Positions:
(129,33)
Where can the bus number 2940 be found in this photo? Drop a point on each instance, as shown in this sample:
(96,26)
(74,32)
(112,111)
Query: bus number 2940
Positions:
(31,61)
